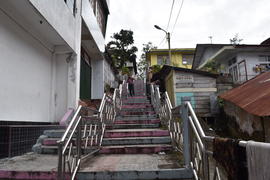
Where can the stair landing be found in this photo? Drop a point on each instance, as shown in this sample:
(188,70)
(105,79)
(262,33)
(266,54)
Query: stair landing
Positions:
(133,167)
(29,166)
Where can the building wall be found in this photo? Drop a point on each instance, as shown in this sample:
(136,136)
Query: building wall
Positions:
(251,60)
(208,53)
(97,79)
(198,87)
(25,68)
(60,17)
(248,126)
(169,84)
(177,59)
(109,76)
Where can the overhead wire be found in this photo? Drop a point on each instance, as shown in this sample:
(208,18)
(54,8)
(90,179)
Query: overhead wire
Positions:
(162,41)
(170,16)
(179,11)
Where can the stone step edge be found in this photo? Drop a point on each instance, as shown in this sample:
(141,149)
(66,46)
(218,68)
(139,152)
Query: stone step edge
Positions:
(179,173)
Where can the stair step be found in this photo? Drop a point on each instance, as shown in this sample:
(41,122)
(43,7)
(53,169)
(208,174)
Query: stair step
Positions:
(134,167)
(137,113)
(136,117)
(137,108)
(136,149)
(150,121)
(134,126)
(131,106)
(118,133)
(136,141)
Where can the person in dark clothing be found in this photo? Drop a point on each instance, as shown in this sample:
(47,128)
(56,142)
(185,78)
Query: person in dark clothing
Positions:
(131,85)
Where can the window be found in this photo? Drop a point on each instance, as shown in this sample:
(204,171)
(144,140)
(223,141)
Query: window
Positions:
(234,73)
(232,61)
(264,59)
(187,59)
(163,59)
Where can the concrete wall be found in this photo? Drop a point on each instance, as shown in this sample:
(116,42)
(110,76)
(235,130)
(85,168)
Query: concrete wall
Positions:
(97,79)
(92,25)
(60,17)
(248,126)
(25,68)
(109,76)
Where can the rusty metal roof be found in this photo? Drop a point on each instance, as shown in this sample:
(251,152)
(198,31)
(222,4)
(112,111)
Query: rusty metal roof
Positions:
(253,96)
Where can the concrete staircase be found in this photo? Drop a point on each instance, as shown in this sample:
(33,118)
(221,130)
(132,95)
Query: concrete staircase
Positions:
(137,130)
(134,148)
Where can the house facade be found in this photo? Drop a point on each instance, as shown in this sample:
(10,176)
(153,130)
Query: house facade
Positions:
(240,62)
(181,57)
(52,56)
(196,86)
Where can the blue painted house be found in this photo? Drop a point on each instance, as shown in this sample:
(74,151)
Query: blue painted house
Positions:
(199,87)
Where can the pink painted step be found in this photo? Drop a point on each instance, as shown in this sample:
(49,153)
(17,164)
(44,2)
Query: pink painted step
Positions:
(152,121)
(137,97)
(137,112)
(136,149)
(117,133)
(8,174)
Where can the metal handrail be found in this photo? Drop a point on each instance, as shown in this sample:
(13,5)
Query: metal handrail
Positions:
(188,136)
(94,123)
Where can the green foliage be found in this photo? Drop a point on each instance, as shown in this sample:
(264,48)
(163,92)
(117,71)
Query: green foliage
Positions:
(107,88)
(156,68)
(211,66)
(142,65)
(121,48)
(125,70)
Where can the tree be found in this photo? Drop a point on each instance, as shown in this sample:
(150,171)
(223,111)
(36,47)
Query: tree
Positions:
(142,65)
(121,48)
(235,40)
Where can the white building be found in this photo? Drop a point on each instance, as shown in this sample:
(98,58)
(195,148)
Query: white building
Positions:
(241,62)
(51,56)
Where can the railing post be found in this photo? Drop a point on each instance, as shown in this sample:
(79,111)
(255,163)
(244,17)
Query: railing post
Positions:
(79,138)
(186,136)
(60,161)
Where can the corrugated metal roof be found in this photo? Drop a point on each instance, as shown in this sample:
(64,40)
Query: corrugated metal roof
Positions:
(253,96)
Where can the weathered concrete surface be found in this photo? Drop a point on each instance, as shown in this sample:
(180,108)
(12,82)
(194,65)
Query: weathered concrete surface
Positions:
(150,121)
(29,166)
(136,149)
(116,133)
(138,166)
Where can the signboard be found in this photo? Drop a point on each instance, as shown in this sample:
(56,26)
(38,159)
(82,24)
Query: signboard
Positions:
(181,78)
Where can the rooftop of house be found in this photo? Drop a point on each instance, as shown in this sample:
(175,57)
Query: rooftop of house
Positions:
(175,50)
(252,96)
(200,50)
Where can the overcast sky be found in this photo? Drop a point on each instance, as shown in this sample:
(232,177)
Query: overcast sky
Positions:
(198,20)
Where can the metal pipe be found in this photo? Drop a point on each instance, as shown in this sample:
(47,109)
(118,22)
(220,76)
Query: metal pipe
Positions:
(196,121)
(70,124)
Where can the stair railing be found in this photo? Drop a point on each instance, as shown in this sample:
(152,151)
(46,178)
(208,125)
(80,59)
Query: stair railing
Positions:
(155,98)
(187,135)
(87,127)
(70,145)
